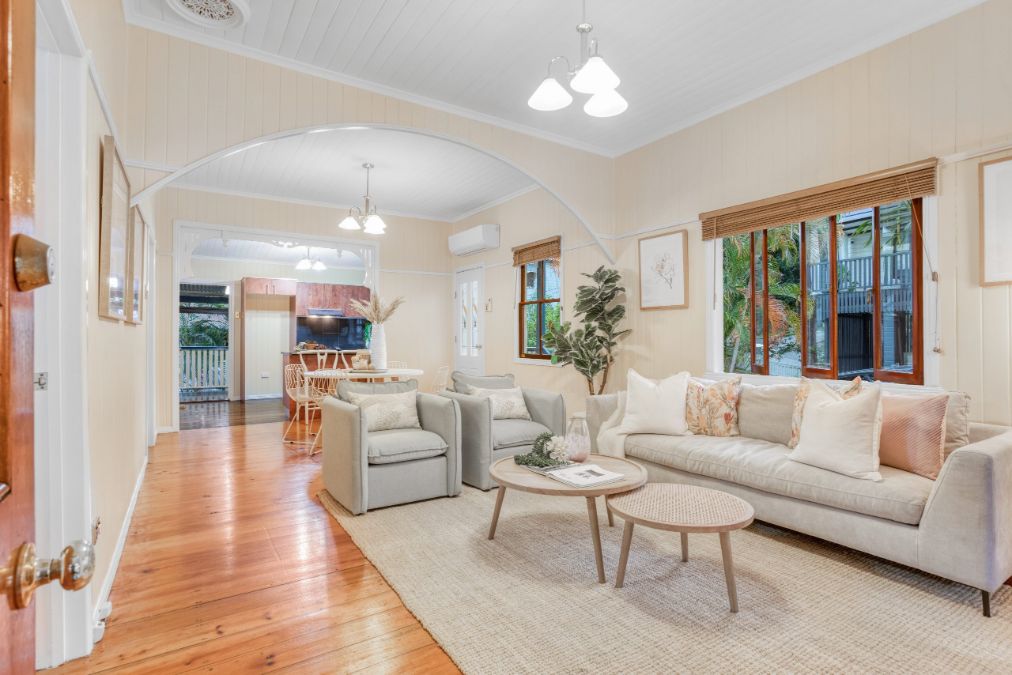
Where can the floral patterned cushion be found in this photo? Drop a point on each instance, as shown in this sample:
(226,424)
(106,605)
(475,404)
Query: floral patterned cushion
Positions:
(711,408)
(387,411)
(845,389)
(507,404)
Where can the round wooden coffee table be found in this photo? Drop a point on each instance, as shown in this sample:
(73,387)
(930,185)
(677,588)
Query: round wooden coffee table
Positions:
(685,509)
(510,475)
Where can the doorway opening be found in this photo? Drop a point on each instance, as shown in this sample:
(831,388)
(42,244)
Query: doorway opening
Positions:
(204,355)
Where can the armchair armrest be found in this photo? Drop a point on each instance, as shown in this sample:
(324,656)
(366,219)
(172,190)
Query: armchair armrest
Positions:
(547,408)
(441,415)
(599,409)
(345,454)
(966,530)
(475,436)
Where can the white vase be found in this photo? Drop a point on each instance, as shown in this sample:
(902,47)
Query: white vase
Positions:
(378,347)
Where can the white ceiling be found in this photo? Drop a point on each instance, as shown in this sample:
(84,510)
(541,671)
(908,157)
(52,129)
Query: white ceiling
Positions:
(414,174)
(680,60)
(265,251)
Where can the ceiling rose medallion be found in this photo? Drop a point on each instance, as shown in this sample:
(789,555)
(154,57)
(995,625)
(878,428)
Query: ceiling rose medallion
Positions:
(212,13)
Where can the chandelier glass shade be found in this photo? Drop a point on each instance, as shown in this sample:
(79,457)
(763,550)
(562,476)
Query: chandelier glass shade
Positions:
(591,76)
(364,218)
(309,263)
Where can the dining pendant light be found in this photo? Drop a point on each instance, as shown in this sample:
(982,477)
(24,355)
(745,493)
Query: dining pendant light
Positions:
(549,96)
(318,266)
(306,263)
(374,224)
(606,103)
(349,223)
(595,77)
(364,218)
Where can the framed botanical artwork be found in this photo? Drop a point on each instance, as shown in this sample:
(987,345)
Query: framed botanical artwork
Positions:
(664,271)
(996,222)
(136,274)
(114,235)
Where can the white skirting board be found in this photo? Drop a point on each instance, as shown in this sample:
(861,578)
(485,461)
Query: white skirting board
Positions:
(102,607)
(261,397)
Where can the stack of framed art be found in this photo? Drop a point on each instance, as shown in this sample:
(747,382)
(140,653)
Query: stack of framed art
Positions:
(121,244)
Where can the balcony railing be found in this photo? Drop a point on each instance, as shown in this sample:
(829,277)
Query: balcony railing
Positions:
(855,274)
(203,368)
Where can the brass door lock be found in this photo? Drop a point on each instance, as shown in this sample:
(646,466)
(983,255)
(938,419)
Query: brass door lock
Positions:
(26,572)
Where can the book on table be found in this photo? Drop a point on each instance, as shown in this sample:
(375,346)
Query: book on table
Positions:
(584,475)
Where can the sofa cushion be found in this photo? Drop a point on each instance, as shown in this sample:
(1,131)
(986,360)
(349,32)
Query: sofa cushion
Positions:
(764,412)
(388,411)
(461,381)
(512,433)
(507,404)
(899,496)
(403,445)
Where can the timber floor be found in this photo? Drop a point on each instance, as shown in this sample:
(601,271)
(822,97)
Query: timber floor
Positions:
(231,565)
(207,414)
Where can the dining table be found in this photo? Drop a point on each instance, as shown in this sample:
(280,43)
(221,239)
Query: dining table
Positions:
(391,374)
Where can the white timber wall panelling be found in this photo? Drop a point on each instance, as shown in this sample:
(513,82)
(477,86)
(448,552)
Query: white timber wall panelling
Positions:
(937,92)
(267,326)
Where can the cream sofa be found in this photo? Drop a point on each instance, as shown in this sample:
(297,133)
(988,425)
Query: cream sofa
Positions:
(958,527)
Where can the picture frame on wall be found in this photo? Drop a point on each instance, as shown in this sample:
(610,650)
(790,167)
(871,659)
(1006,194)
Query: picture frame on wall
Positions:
(664,271)
(114,235)
(996,222)
(136,274)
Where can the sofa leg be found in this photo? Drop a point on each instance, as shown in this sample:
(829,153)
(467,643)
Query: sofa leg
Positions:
(986,598)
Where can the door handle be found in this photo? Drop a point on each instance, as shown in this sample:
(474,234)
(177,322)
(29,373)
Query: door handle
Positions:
(25,572)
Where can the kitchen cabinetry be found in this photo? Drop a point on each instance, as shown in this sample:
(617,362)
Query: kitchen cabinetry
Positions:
(328,296)
(264,286)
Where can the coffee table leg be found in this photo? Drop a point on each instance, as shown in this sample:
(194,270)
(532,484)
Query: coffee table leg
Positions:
(623,559)
(611,518)
(725,551)
(495,514)
(685,547)
(595,534)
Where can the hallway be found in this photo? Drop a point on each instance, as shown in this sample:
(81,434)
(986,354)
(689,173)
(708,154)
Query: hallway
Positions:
(232,565)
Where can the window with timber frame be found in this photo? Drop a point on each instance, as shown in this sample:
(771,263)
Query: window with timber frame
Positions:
(831,297)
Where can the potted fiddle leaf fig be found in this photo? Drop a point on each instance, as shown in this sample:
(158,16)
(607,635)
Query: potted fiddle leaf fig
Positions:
(590,347)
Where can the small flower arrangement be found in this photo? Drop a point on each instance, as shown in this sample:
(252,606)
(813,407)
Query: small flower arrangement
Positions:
(548,451)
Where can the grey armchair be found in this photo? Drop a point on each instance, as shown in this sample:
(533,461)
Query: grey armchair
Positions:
(485,440)
(365,470)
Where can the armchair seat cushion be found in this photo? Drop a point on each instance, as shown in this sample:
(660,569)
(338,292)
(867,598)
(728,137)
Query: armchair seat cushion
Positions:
(514,433)
(404,445)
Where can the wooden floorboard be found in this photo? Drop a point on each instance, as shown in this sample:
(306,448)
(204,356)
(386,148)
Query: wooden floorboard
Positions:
(231,565)
(208,414)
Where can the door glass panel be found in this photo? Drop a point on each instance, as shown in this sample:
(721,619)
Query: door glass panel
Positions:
(818,306)
(465,321)
(552,283)
(530,318)
(783,266)
(531,281)
(737,307)
(550,314)
(896,286)
(475,338)
(855,237)
(757,300)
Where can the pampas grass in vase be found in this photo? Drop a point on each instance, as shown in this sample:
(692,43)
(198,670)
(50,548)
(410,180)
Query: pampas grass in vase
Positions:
(376,313)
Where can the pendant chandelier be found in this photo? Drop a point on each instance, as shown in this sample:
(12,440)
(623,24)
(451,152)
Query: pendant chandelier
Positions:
(309,263)
(366,218)
(590,76)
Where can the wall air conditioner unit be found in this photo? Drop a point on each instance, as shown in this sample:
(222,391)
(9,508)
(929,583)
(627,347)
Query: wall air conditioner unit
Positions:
(479,238)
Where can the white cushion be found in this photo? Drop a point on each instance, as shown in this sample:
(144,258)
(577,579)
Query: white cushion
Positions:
(655,407)
(507,404)
(515,433)
(839,434)
(404,445)
(387,411)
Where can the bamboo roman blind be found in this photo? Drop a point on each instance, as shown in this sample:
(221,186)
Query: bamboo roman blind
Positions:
(874,189)
(538,250)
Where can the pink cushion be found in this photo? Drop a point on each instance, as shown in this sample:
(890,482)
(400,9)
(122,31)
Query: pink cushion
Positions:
(913,433)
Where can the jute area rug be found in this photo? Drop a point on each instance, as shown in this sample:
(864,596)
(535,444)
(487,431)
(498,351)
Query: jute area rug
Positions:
(529,601)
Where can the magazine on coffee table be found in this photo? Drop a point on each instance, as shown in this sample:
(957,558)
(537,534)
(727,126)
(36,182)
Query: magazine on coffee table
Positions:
(584,475)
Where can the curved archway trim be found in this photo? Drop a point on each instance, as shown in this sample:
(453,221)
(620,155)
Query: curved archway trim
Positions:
(245,145)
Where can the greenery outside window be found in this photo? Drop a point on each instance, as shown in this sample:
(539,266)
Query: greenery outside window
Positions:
(833,297)
(540,306)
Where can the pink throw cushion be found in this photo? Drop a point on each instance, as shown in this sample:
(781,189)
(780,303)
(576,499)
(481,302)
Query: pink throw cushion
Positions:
(913,433)
(711,408)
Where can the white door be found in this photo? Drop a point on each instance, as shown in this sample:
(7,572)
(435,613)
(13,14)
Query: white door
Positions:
(469,321)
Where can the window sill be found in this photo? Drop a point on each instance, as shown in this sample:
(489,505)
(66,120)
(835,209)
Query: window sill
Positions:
(536,362)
